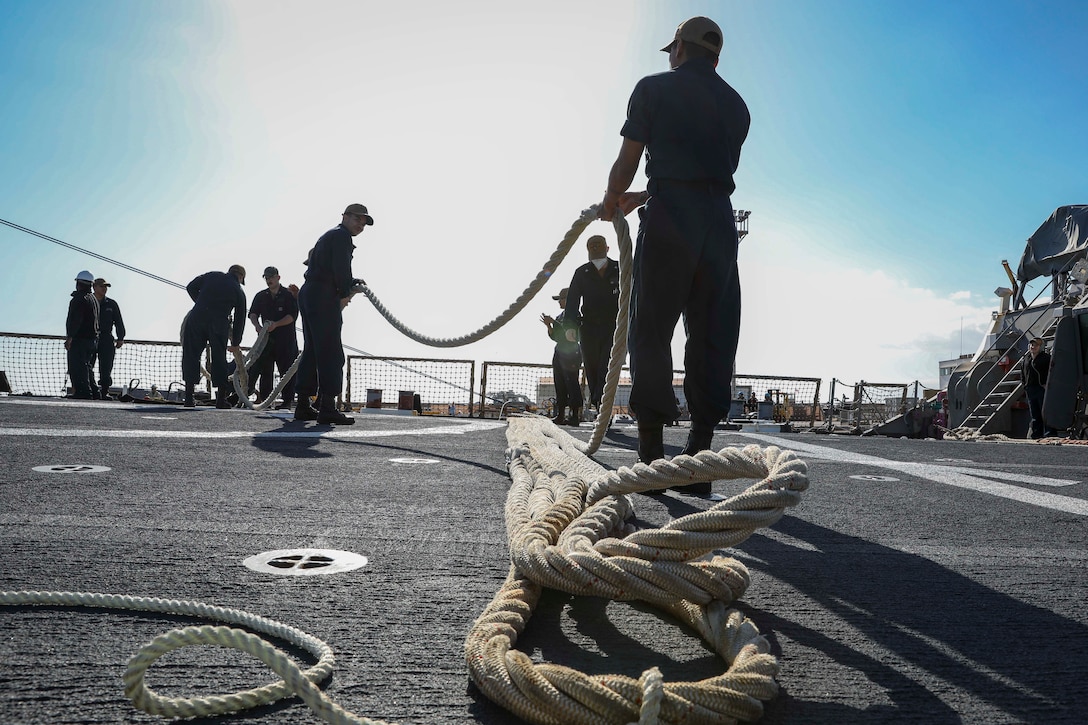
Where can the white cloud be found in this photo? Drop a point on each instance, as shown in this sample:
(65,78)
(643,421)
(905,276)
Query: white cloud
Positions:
(813,316)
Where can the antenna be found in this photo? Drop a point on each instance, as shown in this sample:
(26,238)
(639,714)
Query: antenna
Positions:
(740,218)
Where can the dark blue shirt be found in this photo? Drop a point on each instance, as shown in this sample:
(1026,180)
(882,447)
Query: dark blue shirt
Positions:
(329,262)
(273,308)
(692,123)
(218,293)
(593,299)
(82,316)
(109,316)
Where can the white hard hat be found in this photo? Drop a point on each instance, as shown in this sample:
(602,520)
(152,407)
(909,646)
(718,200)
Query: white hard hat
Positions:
(84,276)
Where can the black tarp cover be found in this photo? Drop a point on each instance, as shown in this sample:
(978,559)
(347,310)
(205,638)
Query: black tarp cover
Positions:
(1061,238)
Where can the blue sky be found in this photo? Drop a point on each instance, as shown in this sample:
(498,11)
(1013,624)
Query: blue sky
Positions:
(899,151)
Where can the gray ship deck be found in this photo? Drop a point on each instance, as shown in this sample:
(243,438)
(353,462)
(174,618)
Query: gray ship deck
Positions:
(918,581)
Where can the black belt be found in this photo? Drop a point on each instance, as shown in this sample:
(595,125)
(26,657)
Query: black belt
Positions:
(714,186)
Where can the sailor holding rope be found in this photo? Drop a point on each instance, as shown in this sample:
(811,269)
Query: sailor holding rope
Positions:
(329,286)
(691,124)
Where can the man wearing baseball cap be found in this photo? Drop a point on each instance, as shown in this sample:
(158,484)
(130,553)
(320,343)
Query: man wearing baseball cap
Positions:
(276,308)
(216,295)
(691,124)
(327,289)
(566,362)
(109,318)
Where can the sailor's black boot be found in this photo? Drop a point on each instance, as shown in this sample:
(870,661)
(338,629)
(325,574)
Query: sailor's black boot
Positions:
(304,411)
(221,401)
(560,418)
(327,412)
(189,402)
(700,438)
(105,389)
(651,444)
(575,418)
(651,447)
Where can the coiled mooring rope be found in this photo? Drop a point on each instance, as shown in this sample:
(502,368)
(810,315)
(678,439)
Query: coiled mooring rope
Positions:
(566,527)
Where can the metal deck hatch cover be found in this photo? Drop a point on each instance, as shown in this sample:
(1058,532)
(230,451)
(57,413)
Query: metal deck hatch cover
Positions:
(71,468)
(304,562)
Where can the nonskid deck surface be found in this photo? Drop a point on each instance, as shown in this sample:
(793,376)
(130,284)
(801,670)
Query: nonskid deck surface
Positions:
(917,581)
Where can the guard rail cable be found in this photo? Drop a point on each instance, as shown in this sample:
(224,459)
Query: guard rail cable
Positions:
(567,528)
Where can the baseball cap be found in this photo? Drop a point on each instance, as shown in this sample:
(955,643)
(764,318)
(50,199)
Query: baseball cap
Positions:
(695,31)
(562,293)
(360,210)
(238,269)
(101,283)
(270,272)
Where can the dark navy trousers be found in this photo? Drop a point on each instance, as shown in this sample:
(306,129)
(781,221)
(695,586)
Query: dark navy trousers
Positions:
(568,389)
(685,264)
(322,363)
(106,350)
(81,366)
(204,329)
(279,353)
(596,343)
(1035,395)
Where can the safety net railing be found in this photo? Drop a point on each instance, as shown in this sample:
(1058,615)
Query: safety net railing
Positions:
(519,387)
(867,404)
(38,365)
(444,387)
(784,399)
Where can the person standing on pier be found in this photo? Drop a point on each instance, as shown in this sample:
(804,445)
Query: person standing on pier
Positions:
(328,288)
(691,125)
(109,318)
(216,295)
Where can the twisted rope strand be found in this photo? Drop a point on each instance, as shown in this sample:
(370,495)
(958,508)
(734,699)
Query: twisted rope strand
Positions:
(566,530)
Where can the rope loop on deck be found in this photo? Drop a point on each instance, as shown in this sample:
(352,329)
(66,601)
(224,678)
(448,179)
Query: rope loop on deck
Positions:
(296,681)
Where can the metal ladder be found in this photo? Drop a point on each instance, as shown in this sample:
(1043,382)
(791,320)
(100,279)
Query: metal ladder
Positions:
(1007,391)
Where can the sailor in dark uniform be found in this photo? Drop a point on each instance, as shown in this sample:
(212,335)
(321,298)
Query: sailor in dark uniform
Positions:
(216,295)
(109,317)
(592,303)
(566,361)
(81,330)
(691,124)
(329,286)
(278,308)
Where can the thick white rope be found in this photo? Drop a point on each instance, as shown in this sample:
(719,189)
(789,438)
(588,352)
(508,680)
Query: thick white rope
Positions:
(296,681)
(566,527)
(619,339)
(584,220)
(240,377)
